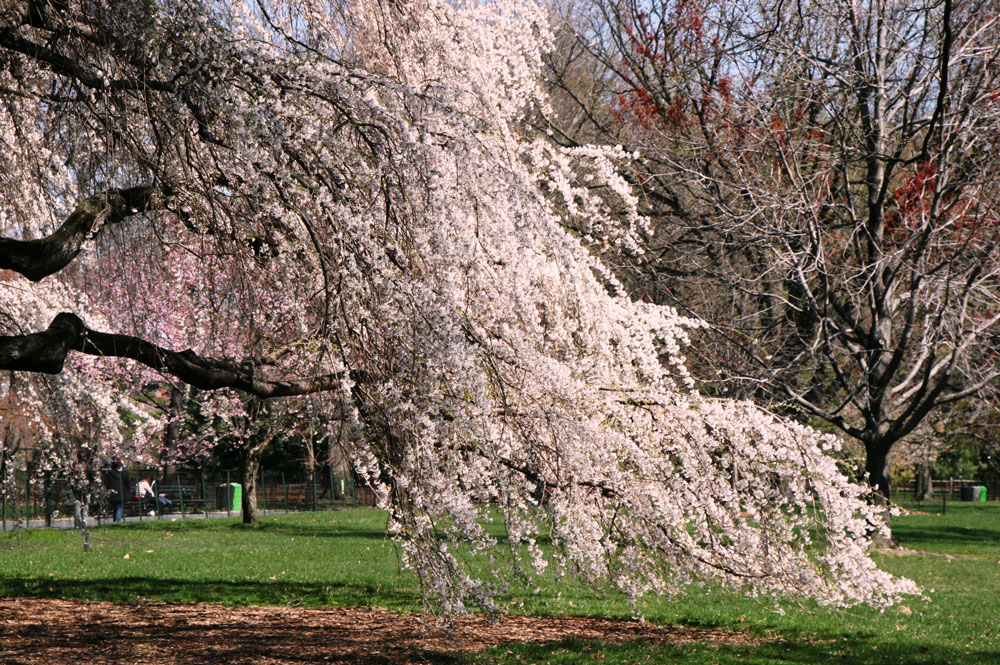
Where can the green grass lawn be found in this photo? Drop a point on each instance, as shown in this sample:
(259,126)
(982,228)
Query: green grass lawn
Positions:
(344,558)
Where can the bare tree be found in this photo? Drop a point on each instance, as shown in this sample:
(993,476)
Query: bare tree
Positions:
(825,179)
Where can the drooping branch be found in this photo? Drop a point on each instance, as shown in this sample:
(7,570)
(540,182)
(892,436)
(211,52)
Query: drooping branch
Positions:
(40,258)
(46,352)
(51,28)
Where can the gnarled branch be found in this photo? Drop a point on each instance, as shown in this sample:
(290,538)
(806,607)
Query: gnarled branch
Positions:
(46,352)
(40,258)
(42,351)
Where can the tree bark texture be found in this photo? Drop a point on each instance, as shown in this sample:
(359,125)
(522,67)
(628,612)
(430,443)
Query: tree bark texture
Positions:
(249,467)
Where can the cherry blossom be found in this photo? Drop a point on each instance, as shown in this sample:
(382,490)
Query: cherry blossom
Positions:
(293,197)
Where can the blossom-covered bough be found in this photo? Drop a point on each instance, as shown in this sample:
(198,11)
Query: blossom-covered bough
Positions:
(341,197)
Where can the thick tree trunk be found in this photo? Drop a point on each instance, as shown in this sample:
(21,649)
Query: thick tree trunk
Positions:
(249,465)
(877,466)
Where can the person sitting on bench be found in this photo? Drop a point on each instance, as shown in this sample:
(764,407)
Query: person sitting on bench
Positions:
(146,491)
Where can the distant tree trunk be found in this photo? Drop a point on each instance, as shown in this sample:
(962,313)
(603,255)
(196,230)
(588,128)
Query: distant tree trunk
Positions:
(339,462)
(925,485)
(81,509)
(47,495)
(178,399)
(80,483)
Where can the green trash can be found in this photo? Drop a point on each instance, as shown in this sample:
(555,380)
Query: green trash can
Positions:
(982,494)
(229,496)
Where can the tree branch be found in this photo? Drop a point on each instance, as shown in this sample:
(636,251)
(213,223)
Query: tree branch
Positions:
(42,351)
(40,258)
(46,352)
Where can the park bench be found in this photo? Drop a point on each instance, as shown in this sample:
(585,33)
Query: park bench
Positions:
(193,501)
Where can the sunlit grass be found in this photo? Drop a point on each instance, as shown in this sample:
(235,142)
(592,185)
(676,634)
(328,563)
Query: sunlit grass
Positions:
(344,558)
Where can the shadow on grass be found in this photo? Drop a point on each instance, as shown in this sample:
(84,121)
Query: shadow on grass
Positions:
(831,651)
(219,592)
(315,528)
(317,531)
(913,535)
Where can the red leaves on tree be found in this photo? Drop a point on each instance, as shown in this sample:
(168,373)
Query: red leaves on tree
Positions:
(665,89)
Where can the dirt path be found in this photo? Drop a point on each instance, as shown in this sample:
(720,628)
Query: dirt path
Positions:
(55,632)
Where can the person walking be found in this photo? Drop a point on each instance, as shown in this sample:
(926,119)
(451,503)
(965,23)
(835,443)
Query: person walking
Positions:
(116,481)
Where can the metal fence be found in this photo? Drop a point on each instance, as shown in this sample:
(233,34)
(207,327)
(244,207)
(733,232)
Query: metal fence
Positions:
(951,487)
(33,501)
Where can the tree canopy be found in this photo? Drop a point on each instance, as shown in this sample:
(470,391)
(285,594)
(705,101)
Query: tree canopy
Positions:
(823,177)
(345,197)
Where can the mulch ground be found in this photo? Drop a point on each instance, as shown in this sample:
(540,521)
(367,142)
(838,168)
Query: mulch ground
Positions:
(53,632)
